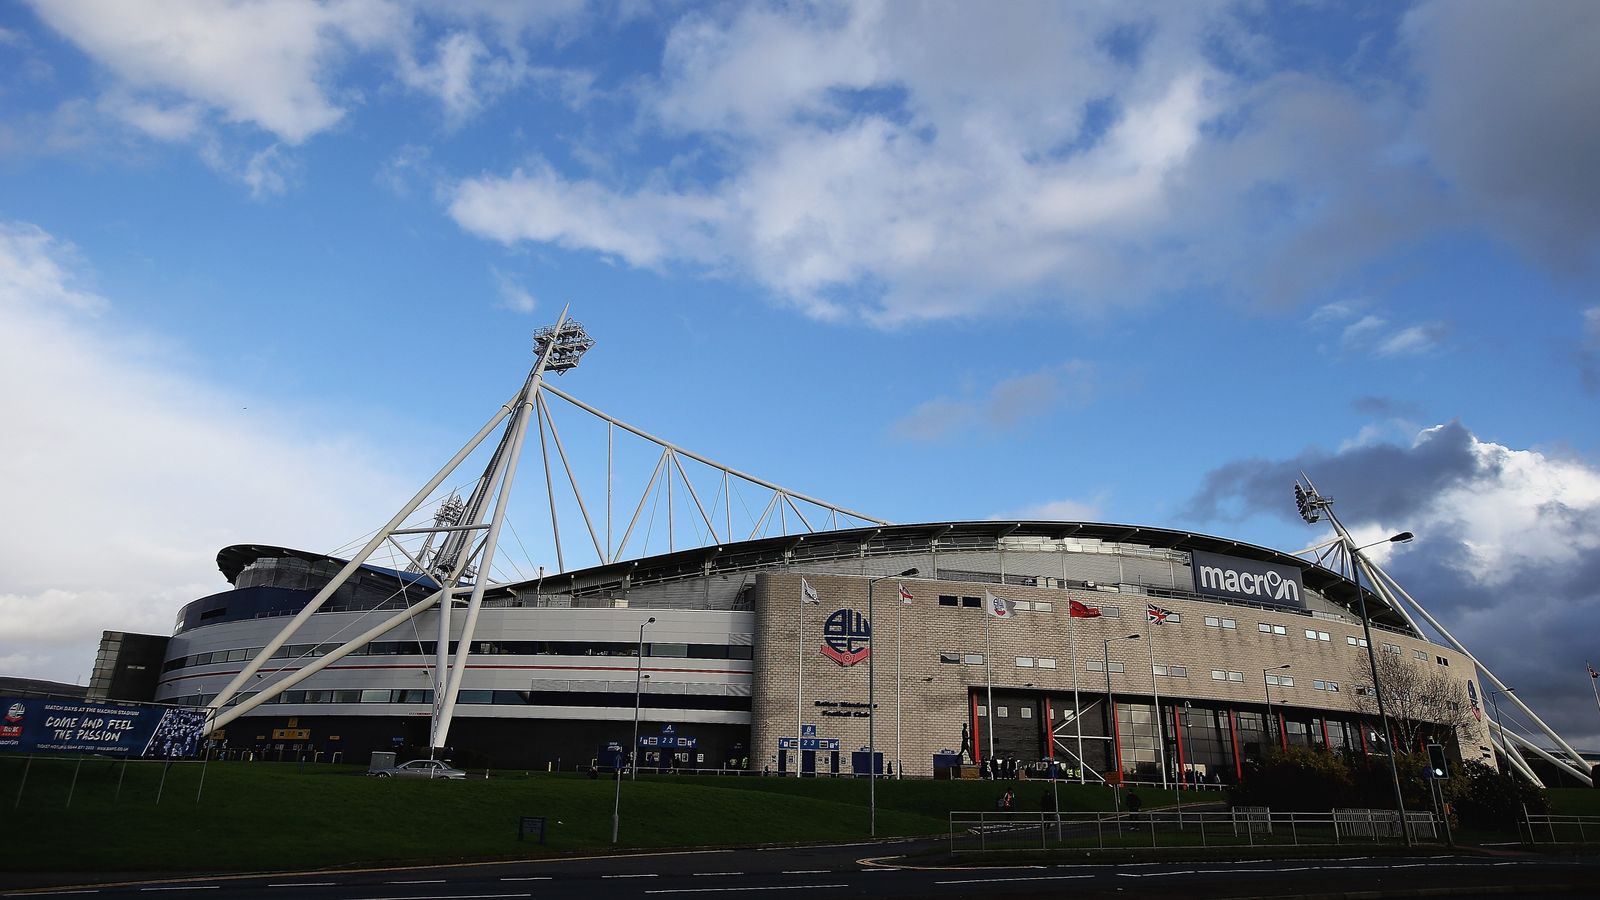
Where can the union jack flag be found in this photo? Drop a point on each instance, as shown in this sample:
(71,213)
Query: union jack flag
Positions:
(1156,614)
(905,595)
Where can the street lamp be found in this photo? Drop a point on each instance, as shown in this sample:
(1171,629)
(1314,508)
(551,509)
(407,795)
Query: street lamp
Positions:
(1499,723)
(872,709)
(1311,506)
(1189,740)
(1111,720)
(631,755)
(1268,685)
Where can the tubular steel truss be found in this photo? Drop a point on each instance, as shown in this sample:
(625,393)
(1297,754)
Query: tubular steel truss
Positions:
(452,551)
(1340,553)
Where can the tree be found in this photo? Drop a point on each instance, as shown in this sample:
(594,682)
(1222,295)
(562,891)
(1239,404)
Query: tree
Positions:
(1308,779)
(1419,698)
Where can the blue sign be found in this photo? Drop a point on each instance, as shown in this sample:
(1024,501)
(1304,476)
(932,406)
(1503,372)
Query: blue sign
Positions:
(808,731)
(32,725)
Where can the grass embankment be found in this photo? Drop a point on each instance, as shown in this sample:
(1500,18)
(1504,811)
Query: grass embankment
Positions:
(1574,801)
(260,816)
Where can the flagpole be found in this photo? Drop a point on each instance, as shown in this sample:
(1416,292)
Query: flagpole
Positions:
(1077,708)
(988,666)
(1155,692)
(1593,686)
(800,673)
(899,764)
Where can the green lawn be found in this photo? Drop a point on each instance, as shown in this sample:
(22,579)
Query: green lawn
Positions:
(254,816)
(1574,801)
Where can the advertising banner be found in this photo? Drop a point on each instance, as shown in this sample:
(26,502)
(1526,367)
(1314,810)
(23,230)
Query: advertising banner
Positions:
(1250,580)
(55,725)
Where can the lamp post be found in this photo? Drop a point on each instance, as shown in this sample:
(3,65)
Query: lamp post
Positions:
(1372,663)
(1111,719)
(632,754)
(1189,740)
(1266,683)
(1312,505)
(1499,723)
(872,709)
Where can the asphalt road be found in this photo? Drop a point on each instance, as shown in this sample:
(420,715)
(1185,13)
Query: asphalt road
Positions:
(876,870)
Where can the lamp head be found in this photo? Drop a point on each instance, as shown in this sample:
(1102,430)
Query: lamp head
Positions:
(909,572)
(650,621)
(1134,637)
(1403,537)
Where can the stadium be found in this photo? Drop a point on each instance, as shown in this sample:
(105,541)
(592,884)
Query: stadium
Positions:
(1100,652)
(736,659)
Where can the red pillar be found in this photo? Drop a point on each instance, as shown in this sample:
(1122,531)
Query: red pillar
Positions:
(1177,732)
(1233,732)
(1283,731)
(1049,731)
(1116,739)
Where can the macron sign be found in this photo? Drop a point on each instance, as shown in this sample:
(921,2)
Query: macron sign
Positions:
(1250,580)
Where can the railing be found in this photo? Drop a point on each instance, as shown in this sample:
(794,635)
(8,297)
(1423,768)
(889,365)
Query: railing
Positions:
(1171,829)
(1541,829)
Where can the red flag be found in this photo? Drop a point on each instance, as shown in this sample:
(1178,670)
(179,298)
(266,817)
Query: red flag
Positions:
(1079,611)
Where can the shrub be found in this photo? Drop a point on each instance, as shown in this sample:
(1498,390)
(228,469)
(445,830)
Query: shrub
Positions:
(1300,779)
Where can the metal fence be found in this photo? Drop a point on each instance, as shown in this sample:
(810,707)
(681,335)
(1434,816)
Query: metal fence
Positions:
(1175,829)
(1561,829)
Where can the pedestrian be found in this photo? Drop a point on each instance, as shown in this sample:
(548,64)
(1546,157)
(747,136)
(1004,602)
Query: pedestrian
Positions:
(1134,802)
(1047,802)
(1009,801)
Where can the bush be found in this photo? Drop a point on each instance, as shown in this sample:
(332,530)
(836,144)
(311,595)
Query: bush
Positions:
(1484,798)
(1300,779)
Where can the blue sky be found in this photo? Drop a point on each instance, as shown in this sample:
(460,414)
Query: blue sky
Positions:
(263,266)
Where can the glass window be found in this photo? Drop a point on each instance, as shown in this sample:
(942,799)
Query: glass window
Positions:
(1229,623)
(973,659)
(1333,686)
(1022,606)
(1443,661)
(947,600)
(972,602)
(1213,622)
(1043,606)
(1279,629)
(1158,670)
(1311,634)
(982,713)
(1264,628)
(1218,675)
(1002,712)
(1420,654)
(1178,671)
(1025,662)
(1318,684)
(1046,662)
(1116,667)
(1026,712)
(374,696)
(1235,676)
(953,658)
(346,697)
(1095,665)
(1324,636)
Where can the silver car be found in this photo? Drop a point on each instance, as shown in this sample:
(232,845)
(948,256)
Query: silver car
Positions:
(421,768)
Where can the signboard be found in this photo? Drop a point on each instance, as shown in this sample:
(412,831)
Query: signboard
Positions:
(36,725)
(809,743)
(1250,580)
(291,734)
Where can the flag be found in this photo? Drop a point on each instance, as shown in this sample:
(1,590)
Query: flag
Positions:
(808,594)
(1156,614)
(998,607)
(1592,672)
(1077,610)
(905,595)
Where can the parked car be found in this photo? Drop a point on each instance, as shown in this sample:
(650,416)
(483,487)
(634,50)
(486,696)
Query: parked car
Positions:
(421,768)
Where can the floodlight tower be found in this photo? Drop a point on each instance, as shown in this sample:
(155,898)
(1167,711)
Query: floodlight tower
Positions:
(470,532)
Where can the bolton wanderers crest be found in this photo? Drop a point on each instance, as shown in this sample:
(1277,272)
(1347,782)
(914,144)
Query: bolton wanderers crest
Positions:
(844,637)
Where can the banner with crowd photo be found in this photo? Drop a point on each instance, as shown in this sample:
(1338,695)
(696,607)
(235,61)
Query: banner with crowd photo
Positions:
(55,725)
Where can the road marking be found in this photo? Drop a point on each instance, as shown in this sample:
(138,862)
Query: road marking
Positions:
(714,874)
(643,875)
(779,887)
(307,884)
(184,887)
(428,881)
(1018,878)
(64,893)
(529,878)
(807,871)
(447,897)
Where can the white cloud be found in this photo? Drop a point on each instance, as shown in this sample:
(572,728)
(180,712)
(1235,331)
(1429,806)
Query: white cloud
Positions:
(513,296)
(132,473)
(1005,406)
(1376,335)
(266,64)
(1064,510)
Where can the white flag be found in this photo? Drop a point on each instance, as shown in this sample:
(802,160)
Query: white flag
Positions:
(998,607)
(905,595)
(808,594)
